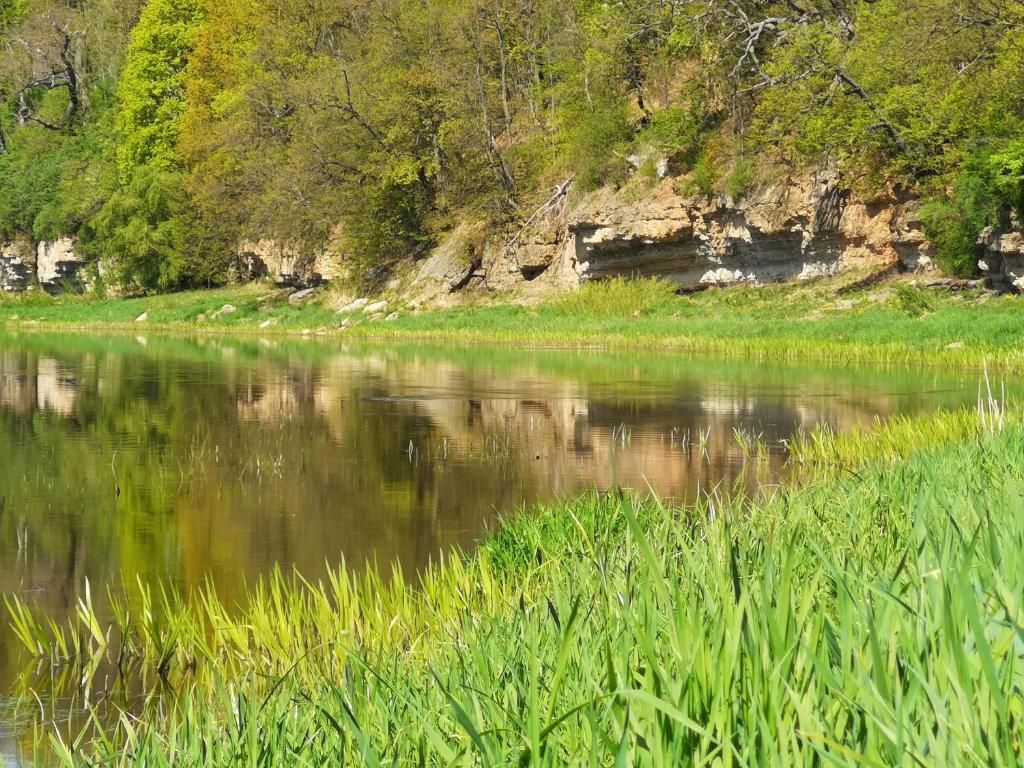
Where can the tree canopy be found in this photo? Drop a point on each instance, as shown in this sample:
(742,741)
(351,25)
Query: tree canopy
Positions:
(376,125)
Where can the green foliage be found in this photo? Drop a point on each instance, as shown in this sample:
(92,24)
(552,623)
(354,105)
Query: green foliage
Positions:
(913,300)
(954,220)
(677,132)
(30,194)
(741,177)
(11,12)
(591,130)
(145,229)
(703,177)
(1007,168)
(151,93)
(373,127)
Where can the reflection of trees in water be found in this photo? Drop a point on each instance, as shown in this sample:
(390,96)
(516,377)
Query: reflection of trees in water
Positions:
(179,462)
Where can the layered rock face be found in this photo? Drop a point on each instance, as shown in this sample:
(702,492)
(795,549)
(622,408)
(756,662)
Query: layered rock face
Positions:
(54,265)
(285,265)
(1002,260)
(17,266)
(795,231)
(805,227)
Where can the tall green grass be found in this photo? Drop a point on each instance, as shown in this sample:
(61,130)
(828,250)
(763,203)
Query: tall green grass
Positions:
(618,297)
(872,615)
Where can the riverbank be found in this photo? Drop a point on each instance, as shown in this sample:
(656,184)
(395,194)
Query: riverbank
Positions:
(870,613)
(829,320)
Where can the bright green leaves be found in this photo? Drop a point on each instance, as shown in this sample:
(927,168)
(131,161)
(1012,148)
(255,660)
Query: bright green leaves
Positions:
(152,88)
(1007,168)
(11,12)
(145,227)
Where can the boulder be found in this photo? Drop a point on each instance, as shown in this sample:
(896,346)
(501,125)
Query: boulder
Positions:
(227,309)
(376,308)
(1002,259)
(144,317)
(353,306)
(300,297)
(450,266)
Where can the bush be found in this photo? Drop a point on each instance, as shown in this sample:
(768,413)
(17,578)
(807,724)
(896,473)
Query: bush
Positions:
(954,220)
(914,301)
(676,132)
(593,134)
(1007,169)
(143,229)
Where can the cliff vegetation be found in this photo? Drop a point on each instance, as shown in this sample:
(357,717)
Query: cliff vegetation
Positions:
(163,133)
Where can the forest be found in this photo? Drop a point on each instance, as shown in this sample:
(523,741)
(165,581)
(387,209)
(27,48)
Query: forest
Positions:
(163,133)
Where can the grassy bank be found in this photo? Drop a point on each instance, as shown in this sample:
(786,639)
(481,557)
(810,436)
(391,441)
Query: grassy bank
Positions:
(895,322)
(869,615)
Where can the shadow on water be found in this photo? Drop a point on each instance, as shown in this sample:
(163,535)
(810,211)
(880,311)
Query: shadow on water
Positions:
(174,461)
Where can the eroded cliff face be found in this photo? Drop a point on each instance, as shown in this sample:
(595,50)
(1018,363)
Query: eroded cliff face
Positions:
(17,266)
(1002,259)
(285,265)
(53,265)
(801,228)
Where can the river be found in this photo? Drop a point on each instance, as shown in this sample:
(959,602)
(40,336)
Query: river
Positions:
(177,461)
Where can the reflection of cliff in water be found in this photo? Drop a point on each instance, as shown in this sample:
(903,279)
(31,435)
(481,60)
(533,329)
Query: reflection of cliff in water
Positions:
(195,460)
(37,384)
(184,461)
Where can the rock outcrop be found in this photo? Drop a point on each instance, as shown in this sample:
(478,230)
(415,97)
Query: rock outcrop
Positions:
(58,267)
(452,266)
(53,265)
(17,266)
(287,266)
(1002,259)
(801,228)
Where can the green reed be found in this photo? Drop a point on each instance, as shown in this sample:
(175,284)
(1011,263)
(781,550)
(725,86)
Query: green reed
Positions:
(871,615)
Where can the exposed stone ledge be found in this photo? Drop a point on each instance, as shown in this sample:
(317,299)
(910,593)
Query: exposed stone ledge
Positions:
(806,227)
(285,265)
(52,265)
(1002,259)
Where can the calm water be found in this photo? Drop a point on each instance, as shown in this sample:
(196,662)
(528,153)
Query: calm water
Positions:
(180,461)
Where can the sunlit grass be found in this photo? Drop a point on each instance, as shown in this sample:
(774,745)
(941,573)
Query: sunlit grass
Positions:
(871,615)
(892,324)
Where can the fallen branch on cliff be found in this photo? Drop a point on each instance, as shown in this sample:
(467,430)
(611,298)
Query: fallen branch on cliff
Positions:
(554,202)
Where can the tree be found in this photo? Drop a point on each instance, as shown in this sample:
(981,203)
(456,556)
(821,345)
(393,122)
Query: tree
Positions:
(151,92)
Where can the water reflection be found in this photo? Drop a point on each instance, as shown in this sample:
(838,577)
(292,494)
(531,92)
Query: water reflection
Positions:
(172,460)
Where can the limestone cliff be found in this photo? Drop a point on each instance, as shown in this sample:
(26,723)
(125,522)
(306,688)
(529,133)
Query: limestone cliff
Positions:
(286,265)
(1002,259)
(53,265)
(801,227)
(804,227)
